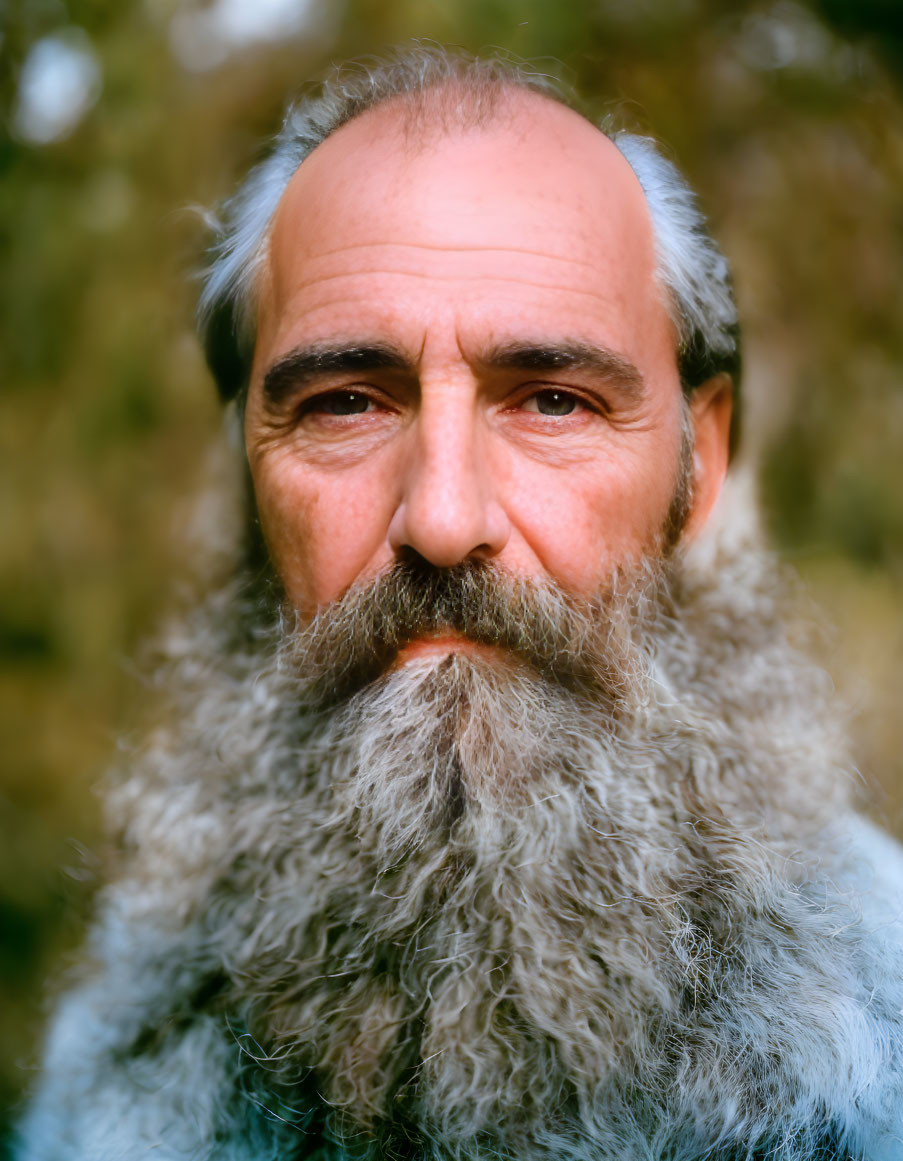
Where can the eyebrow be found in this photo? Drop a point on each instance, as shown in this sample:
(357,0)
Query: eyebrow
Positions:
(306,364)
(570,355)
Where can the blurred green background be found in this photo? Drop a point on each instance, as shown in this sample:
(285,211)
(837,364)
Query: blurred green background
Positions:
(118,115)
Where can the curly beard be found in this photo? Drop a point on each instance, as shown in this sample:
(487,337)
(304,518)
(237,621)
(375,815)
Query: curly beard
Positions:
(523,898)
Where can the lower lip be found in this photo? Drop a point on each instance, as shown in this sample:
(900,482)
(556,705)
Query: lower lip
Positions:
(440,647)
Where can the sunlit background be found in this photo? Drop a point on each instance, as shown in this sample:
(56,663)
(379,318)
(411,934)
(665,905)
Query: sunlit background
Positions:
(119,116)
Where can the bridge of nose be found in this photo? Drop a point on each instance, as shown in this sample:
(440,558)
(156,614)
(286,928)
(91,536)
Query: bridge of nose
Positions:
(449,510)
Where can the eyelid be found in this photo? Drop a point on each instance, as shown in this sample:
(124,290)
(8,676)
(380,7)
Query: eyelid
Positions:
(375,396)
(588,401)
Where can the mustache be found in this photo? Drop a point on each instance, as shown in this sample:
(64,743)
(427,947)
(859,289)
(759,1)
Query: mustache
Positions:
(584,644)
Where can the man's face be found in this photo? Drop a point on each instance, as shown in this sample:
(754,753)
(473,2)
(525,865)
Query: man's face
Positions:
(463,352)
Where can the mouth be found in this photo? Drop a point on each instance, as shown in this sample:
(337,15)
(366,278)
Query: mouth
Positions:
(441,645)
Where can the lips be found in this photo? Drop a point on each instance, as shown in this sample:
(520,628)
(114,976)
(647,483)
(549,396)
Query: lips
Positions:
(440,645)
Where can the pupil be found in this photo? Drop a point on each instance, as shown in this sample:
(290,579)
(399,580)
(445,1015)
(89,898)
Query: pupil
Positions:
(554,403)
(347,403)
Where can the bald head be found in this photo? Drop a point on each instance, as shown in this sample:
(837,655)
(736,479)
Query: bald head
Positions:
(441,91)
(528,178)
(541,146)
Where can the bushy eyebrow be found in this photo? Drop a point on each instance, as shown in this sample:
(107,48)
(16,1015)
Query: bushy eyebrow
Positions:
(570,356)
(302,366)
(306,364)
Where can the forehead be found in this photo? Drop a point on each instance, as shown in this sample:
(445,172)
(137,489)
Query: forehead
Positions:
(532,210)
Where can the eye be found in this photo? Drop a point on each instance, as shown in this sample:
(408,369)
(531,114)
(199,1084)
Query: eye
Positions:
(551,402)
(338,403)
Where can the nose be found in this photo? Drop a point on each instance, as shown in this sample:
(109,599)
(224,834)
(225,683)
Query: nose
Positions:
(448,510)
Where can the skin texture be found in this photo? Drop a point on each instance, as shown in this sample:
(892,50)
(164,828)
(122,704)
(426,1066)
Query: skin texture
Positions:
(463,257)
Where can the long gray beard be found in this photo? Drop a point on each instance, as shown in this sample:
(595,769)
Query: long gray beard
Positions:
(549,900)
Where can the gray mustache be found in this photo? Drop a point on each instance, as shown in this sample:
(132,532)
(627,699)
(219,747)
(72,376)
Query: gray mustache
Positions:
(576,642)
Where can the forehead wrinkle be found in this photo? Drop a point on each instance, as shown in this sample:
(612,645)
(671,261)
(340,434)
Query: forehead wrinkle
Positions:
(396,265)
(453,248)
(451,278)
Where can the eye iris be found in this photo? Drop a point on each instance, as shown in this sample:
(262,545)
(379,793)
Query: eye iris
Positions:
(346,403)
(554,403)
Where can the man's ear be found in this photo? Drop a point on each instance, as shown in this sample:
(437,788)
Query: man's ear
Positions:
(711,405)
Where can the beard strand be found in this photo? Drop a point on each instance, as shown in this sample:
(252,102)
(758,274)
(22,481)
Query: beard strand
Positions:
(483,898)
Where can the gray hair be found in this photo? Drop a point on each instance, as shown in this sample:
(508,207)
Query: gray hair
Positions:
(692,269)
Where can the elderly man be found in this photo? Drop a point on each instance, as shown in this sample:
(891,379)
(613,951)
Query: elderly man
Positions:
(496,817)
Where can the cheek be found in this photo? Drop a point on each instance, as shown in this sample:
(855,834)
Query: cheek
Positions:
(323,531)
(609,512)
(286,507)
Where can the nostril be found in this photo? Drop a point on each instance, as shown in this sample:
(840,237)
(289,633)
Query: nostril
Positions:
(413,562)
